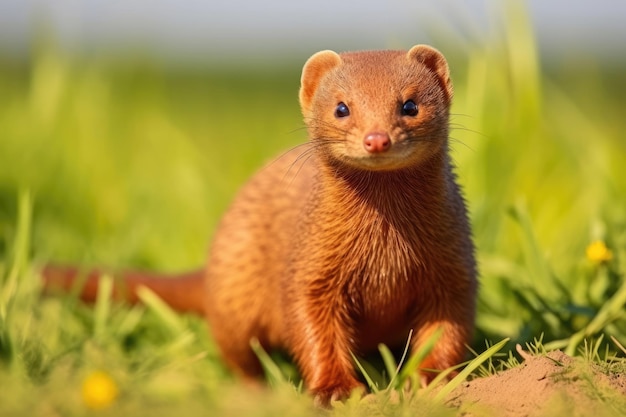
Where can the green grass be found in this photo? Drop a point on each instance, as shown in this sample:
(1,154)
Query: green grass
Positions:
(127,164)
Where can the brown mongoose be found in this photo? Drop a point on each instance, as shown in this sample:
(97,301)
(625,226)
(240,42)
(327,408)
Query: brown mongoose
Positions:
(352,240)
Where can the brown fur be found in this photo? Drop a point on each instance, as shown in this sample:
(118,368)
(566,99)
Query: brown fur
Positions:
(335,249)
(183,292)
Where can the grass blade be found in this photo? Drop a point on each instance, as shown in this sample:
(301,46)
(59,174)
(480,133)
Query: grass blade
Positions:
(272,371)
(168,317)
(390,362)
(610,311)
(475,363)
(21,246)
(410,369)
(370,382)
(102,307)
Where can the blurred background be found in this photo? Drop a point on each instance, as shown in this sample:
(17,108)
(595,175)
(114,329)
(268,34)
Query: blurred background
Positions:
(130,125)
(192,32)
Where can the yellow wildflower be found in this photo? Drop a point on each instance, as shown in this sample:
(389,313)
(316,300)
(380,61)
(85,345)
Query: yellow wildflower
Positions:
(597,252)
(99,390)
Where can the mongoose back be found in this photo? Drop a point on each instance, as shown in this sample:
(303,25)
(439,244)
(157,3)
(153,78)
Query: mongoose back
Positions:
(352,240)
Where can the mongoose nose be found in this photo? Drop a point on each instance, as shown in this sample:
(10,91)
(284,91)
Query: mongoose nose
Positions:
(376,142)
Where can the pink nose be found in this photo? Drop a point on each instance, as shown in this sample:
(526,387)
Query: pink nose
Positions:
(376,142)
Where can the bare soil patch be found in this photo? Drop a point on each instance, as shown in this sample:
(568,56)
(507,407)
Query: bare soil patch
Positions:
(551,385)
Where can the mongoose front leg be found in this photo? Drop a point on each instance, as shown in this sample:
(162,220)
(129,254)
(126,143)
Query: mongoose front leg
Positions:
(322,344)
(449,350)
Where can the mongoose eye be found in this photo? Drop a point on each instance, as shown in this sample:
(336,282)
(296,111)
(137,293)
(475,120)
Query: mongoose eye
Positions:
(342,110)
(409,108)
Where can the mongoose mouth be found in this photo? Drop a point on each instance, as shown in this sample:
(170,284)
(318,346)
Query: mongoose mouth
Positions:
(397,155)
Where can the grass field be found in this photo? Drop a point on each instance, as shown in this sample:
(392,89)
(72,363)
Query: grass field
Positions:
(124,163)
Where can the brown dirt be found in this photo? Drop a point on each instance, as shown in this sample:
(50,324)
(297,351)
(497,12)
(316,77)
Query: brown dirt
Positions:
(551,385)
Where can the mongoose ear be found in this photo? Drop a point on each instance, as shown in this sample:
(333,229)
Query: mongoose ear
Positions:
(313,71)
(435,62)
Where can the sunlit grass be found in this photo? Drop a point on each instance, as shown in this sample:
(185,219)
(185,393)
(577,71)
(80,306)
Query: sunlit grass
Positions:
(129,165)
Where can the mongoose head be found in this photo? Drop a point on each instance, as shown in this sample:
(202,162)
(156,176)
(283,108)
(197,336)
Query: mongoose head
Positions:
(377,110)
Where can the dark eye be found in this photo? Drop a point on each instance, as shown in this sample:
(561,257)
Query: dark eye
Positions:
(409,108)
(342,110)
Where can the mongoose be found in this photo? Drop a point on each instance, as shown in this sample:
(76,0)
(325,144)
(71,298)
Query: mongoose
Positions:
(352,240)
